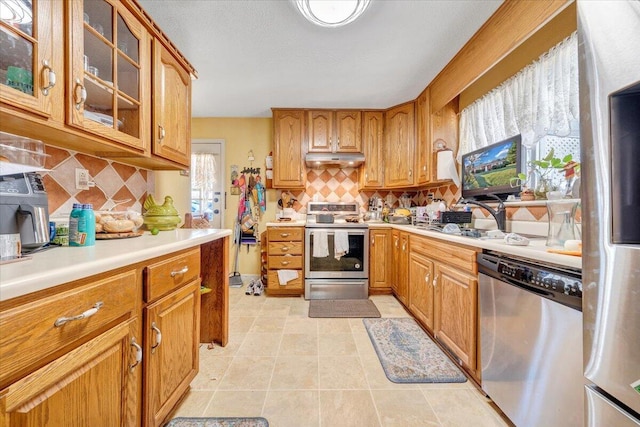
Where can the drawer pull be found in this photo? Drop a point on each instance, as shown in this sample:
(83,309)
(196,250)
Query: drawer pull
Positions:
(284,234)
(138,353)
(183,271)
(285,262)
(158,337)
(48,71)
(284,248)
(93,310)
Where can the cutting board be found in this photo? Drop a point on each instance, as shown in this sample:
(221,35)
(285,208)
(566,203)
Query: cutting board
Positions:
(564,252)
(108,236)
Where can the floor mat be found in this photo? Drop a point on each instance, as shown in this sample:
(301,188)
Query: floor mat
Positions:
(343,308)
(407,353)
(218,422)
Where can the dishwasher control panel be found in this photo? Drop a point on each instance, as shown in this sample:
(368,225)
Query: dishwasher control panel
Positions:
(547,279)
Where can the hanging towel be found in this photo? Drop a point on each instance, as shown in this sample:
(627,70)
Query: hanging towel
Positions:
(340,243)
(285,276)
(320,244)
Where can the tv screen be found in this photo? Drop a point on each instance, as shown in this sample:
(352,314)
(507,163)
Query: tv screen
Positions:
(492,169)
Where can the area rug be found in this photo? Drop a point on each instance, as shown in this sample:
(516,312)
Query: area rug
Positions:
(218,422)
(343,308)
(407,353)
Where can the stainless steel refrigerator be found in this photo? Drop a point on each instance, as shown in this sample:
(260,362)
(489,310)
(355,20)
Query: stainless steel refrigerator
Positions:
(609,61)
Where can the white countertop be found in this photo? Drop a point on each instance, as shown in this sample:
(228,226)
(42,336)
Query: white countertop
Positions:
(536,250)
(292,223)
(64,264)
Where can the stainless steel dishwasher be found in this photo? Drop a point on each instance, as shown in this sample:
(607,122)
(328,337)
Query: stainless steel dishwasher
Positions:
(531,340)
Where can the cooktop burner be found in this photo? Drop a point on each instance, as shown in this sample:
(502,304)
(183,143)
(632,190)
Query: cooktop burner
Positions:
(334,215)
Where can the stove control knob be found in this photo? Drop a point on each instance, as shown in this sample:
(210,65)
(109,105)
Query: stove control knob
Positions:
(357,266)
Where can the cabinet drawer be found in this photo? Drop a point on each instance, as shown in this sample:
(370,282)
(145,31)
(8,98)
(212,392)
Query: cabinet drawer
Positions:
(284,234)
(281,248)
(284,261)
(165,276)
(458,256)
(274,283)
(29,333)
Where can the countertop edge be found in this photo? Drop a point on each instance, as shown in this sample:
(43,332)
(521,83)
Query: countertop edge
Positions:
(62,265)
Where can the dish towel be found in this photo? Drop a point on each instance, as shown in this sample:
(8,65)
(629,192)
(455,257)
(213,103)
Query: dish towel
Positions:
(285,276)
(340,243)
(320,244)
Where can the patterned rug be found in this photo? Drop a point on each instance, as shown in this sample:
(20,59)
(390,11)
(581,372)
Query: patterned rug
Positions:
(343,308)
(407,353)
(218,422)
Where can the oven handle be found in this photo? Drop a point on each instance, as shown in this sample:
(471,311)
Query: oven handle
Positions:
(332,231)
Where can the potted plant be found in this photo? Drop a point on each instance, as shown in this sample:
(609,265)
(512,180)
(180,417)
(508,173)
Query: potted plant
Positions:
(543,180)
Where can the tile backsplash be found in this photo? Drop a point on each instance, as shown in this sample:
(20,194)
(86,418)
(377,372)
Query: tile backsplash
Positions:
(115,185)
(334,185)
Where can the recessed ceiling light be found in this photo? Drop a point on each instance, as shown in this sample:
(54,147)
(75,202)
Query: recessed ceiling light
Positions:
(331,13)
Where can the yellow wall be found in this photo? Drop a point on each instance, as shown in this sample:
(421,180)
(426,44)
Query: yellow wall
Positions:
(241,135)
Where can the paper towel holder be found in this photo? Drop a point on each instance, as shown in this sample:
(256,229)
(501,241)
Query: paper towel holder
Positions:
(440,144)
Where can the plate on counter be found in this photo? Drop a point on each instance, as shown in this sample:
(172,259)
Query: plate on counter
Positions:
(108,236)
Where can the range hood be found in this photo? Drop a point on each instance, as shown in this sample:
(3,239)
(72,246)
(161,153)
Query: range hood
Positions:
(343,160)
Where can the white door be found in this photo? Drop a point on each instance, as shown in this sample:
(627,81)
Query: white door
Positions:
(209,202)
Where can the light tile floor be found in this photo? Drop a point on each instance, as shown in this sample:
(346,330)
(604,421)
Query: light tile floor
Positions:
(302,372)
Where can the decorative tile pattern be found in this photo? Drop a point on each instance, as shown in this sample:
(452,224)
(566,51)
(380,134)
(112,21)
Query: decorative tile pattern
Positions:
(117,185)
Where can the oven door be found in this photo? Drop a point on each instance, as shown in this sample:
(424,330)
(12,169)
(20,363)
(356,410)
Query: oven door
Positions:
(353,265)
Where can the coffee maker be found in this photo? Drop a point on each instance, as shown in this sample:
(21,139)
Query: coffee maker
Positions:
(24,209)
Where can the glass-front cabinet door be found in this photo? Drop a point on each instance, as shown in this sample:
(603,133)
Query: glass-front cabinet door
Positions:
(29,66)
(109,81)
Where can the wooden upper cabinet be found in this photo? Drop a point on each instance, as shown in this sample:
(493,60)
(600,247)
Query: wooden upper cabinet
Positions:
(171,127)
(348,131)
(372,172)
(288,163)
(335,131)
(400,143)
(423,139)
(32,60)
(108,84)
(320,131)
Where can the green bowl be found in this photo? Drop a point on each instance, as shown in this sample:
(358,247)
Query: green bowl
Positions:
(161,222)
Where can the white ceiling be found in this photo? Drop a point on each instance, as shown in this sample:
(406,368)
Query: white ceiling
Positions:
(251,55)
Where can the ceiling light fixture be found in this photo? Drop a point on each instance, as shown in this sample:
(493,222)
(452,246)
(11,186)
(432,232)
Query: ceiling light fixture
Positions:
(332,13)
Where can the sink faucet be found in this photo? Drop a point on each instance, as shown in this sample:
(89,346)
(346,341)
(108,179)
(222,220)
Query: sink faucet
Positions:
(500,214)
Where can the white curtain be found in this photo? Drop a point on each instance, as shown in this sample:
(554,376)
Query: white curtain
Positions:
(203,176)
(541,99)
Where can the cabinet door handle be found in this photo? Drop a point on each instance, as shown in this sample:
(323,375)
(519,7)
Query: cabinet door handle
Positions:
(396,243)
(427,277)
(161,133)
(158,337)
(138,353)
(373,242)
(410,173)
(284,234)
(338,142)
(284,248)
(80,93)
(93,310)
(404,247)
(48,71)
(182,271)
(424,168)
(435,281)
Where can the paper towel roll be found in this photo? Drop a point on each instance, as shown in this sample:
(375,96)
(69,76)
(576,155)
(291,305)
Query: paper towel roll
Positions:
(447,167)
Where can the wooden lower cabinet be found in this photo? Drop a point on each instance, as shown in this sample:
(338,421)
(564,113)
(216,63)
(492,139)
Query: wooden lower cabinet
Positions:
(421,289)
(96,384)
(285,251)
(456,312)
(171,352)
(400,253)
(443,295)
(379,260)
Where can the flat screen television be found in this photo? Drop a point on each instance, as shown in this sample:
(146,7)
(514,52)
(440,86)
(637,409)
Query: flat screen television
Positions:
(492,170)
